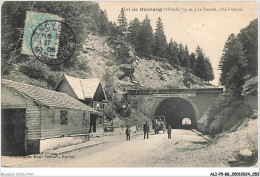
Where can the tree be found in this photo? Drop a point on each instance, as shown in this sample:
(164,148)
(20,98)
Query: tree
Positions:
(145,38)
(181,54)
(172,53)
(134,30)
(186,58)
(160,42)
(103,24)
(235,81)
(192,59)
(199,67)
(209,75)
(233,65)
(249,39)
(122,22)
(202,66)
(113,29)
(82,17)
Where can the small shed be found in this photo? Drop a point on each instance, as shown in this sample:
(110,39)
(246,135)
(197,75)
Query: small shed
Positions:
(32,117)
(89,92)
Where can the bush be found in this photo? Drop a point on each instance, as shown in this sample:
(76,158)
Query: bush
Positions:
(109,112)
(123,50)
(32,70)
(127,69)
(224,114)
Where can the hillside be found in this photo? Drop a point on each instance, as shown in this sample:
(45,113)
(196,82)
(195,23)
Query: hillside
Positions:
(100,58)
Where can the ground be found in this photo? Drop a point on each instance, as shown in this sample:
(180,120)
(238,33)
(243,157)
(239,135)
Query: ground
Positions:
(185,149)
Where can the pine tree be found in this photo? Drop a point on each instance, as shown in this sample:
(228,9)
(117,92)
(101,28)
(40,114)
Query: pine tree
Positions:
(209,75)
(134,30)
(233,65)
(186,58)
(232,55)
(122,22)
(160,42)
(199,67)
(192,59)
(172,53)
(113,29)
(103,23)
(249,39)
(202,66)
(145,38)
(181,55)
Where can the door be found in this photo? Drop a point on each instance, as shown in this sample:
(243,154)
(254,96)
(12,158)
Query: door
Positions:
(13,132)
(93,122)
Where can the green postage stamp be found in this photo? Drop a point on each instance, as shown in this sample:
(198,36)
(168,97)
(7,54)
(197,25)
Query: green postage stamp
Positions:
(48,38)
(32,22)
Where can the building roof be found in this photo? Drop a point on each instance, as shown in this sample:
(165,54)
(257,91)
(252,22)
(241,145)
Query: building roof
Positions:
(83,88)
(46,97)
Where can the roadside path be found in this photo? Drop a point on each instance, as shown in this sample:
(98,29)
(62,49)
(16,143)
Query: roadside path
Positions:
(116,152)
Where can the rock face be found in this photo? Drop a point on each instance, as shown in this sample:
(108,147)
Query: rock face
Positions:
(109,55)
(114,58)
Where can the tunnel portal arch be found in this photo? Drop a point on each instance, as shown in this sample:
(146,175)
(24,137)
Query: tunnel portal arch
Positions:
(175,109)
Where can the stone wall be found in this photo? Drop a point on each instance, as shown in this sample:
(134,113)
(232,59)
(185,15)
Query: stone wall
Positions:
(147,103)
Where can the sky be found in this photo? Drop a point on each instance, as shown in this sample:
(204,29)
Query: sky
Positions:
(207,24)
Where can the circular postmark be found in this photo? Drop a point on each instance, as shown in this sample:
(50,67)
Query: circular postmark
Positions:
(53,42)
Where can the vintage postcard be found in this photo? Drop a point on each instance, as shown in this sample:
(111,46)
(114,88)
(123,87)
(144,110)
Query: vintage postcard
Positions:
(130,84)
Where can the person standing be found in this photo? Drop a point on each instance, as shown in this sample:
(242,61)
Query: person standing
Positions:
(164,128)
(128,133)
(156,128)
(146,130)
(169,131)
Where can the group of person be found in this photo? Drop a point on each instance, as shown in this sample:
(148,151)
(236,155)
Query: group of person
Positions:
(146,129)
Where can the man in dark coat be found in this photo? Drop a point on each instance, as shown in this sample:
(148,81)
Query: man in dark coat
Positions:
(156,128)
(146,130)
(128,133)
(169,131)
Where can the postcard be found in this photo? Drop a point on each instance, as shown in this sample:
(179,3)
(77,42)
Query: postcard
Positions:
(130,84)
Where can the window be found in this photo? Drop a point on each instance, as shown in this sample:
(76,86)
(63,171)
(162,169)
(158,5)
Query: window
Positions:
(97,105)
(64,117)
(84,119)
(84,115)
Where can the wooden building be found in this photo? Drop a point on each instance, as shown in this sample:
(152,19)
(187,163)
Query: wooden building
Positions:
(89,92)
(32,116)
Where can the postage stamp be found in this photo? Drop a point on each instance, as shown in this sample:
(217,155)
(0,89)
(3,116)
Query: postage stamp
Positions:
(53,42)
(46,37)
(32,21)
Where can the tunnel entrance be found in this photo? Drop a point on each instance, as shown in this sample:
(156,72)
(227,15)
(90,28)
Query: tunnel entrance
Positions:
(175,110)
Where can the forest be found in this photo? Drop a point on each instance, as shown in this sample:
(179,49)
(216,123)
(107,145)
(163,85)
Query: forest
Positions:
(87,18)
(239,61)
(146,43)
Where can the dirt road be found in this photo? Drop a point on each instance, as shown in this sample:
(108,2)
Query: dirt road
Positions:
(185,149)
